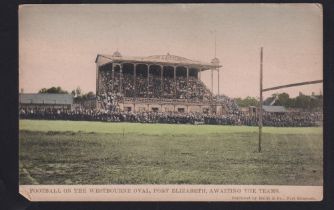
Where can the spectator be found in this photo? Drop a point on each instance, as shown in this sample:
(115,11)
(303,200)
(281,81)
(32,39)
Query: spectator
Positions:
(289,119)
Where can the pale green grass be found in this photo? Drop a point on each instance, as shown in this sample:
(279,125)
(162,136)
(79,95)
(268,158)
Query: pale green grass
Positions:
(65,152)
(153,129)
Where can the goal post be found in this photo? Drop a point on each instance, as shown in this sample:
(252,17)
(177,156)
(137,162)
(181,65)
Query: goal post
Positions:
(260,123)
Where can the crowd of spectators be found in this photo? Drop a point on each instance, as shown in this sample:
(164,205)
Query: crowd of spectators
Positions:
(288,119)
(230,104)
(111,92)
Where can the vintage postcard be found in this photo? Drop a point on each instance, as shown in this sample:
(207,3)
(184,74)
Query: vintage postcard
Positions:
(171,102)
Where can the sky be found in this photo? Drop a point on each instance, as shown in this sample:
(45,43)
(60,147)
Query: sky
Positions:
(58,44)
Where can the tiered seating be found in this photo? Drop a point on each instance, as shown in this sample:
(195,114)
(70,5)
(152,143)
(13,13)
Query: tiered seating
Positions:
(192,90)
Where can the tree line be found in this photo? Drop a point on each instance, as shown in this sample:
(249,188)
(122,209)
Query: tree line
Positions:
(303,101)
(77,93)
(309,102)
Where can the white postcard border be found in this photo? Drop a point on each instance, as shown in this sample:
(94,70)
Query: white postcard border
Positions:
(258,193)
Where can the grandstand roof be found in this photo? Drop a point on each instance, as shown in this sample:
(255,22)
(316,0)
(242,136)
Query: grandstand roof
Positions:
(274,108)
(167,59)
(45,98)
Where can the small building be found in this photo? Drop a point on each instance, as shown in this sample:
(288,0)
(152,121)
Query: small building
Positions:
(274,109)
(253,110)
(45,100)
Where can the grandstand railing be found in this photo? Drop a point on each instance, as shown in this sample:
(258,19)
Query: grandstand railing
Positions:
(169,101)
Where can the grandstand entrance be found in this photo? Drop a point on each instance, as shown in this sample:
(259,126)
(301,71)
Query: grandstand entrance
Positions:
(181,110)
(127,109)
(206,110)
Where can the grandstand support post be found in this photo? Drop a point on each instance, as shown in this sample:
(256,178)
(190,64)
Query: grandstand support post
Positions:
(120,78)
(148,75)
(212,80)
(161,77)
(187,68)
(113,76)
(97,92)
(134,78)
(261,100)
(218,79)
(174,81)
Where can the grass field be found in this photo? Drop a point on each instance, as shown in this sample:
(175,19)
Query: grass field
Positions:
(78,152)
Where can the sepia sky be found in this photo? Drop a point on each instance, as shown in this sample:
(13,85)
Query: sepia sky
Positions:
(59,43)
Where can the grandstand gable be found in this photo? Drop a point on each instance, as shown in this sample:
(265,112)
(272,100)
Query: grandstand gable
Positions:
(103,59)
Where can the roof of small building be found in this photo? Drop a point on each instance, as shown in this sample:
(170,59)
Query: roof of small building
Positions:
(274,108)
(167,59)
(45,98)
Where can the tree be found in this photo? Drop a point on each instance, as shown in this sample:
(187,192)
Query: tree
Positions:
(52,90)
(283,99)
(43,90)
(90,95)
(248,101)
(303,101)
(80,97)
